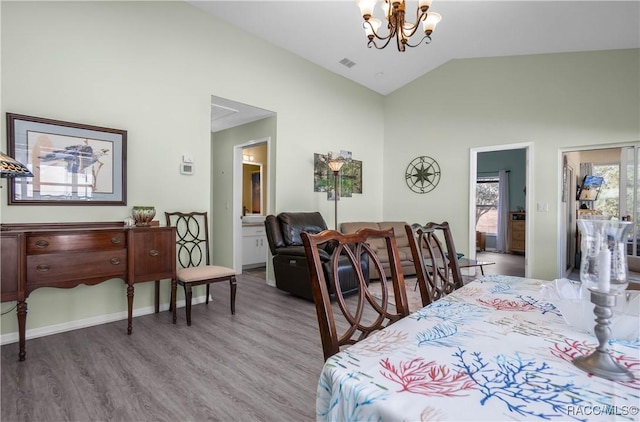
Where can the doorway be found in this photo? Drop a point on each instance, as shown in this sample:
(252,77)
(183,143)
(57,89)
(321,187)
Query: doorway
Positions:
(505,167)
(251,203)
(238,128)
(617,198)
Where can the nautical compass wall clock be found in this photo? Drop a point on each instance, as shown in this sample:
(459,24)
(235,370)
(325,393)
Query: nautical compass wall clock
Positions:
(423,174)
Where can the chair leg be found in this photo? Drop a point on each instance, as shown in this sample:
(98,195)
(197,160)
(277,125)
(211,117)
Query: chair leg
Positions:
(232,284)
(172,301)
(206,301)
(157,295)
(187,296)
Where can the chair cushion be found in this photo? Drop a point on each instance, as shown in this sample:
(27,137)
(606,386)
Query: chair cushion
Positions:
(204,272)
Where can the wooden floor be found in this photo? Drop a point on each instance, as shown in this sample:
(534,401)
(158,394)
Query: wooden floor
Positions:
(505,263)
(261,364)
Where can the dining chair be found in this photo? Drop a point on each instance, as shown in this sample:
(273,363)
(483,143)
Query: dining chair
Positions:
(362,313)
(437,267)
(195,269)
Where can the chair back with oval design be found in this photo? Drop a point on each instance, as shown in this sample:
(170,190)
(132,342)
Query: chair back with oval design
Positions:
(437,266)
(353,318)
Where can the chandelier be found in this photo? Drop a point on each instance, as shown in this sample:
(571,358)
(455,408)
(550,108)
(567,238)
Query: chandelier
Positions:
(401,30)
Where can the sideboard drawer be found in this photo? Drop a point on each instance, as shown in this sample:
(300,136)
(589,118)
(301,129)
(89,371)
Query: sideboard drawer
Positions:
(69,270)
(48,243)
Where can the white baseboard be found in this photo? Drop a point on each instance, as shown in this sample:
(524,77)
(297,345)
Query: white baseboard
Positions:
(89,322)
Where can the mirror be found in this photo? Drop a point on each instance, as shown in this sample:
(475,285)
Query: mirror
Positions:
(254,183)
(252,188)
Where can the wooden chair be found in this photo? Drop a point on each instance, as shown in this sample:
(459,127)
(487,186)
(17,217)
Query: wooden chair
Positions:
(437,267)
(370,313)
(195,269)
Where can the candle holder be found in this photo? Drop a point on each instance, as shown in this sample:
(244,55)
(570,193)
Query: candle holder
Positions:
(600,363)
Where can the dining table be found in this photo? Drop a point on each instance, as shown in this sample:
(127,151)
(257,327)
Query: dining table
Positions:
(494,349)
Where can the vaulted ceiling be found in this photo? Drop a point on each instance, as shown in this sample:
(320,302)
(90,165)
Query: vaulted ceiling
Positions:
(327,32)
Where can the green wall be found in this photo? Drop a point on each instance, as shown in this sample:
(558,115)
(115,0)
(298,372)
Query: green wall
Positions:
(151,68)
(549,101)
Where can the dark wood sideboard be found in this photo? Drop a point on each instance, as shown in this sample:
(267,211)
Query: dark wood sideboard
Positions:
(65,255)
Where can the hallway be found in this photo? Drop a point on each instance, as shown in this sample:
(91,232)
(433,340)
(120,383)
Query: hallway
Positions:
(505,263)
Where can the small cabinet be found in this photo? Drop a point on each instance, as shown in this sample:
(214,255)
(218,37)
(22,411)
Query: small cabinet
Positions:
(153,250)
(254,246)
(517,232)
(11,270)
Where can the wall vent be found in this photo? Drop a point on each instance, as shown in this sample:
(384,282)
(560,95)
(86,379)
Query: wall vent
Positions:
(348,63)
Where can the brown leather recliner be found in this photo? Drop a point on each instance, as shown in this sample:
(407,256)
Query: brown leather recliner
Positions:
(290,264)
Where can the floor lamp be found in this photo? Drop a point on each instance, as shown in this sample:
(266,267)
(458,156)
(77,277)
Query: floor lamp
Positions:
(335,164)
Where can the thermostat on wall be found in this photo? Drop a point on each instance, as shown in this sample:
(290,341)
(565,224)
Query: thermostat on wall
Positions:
(186,168)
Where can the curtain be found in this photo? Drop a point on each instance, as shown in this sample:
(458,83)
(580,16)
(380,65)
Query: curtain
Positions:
(503,211)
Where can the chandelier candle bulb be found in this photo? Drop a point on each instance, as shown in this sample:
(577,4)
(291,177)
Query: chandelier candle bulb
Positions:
(604,269)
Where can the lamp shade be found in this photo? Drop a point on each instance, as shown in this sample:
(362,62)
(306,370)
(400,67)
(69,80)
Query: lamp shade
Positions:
(429,24)
(335,165)
(9,167)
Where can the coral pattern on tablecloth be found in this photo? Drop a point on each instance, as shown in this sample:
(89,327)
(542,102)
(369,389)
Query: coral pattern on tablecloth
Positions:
(492,350)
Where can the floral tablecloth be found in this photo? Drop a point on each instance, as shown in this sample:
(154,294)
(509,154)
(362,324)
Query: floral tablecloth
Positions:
(493,350)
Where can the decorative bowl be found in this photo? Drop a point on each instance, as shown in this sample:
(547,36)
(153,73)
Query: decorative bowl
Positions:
(573,300)
(143,215)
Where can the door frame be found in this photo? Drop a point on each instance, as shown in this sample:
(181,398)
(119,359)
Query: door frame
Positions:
(473,175)
(237,194)
(561,217)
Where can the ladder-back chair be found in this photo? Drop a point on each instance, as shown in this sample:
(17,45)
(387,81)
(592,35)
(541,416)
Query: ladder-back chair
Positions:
(437,266)
(194,266)
(363,313)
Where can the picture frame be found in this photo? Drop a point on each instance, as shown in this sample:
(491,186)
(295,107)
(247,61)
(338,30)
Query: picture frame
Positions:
(349,178)
(72,163)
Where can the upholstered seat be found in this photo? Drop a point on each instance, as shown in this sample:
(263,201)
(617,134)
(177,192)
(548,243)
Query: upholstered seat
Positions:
(192,274)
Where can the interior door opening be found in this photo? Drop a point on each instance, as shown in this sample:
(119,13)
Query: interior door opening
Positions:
(498,225)
(604,182)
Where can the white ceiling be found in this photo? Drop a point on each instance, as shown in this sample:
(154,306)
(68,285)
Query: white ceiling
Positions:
(325,32)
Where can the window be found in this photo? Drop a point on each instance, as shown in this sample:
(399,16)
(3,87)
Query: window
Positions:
(608,198)
(487,189)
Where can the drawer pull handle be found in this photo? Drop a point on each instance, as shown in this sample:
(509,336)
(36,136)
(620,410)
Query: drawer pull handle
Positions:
(115,261)
(42,268)
(42,244)
(154,252)
(115,240)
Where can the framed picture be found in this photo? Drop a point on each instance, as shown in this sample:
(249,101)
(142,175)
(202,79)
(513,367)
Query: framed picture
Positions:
(349,178)
(72,164)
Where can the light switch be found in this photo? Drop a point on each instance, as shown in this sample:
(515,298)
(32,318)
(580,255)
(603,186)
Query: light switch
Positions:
(186,158)
(542,207)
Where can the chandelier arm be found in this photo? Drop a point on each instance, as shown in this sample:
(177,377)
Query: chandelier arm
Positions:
(413,31)
(426,39)
(375,34)
(420,16)
(372,41)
